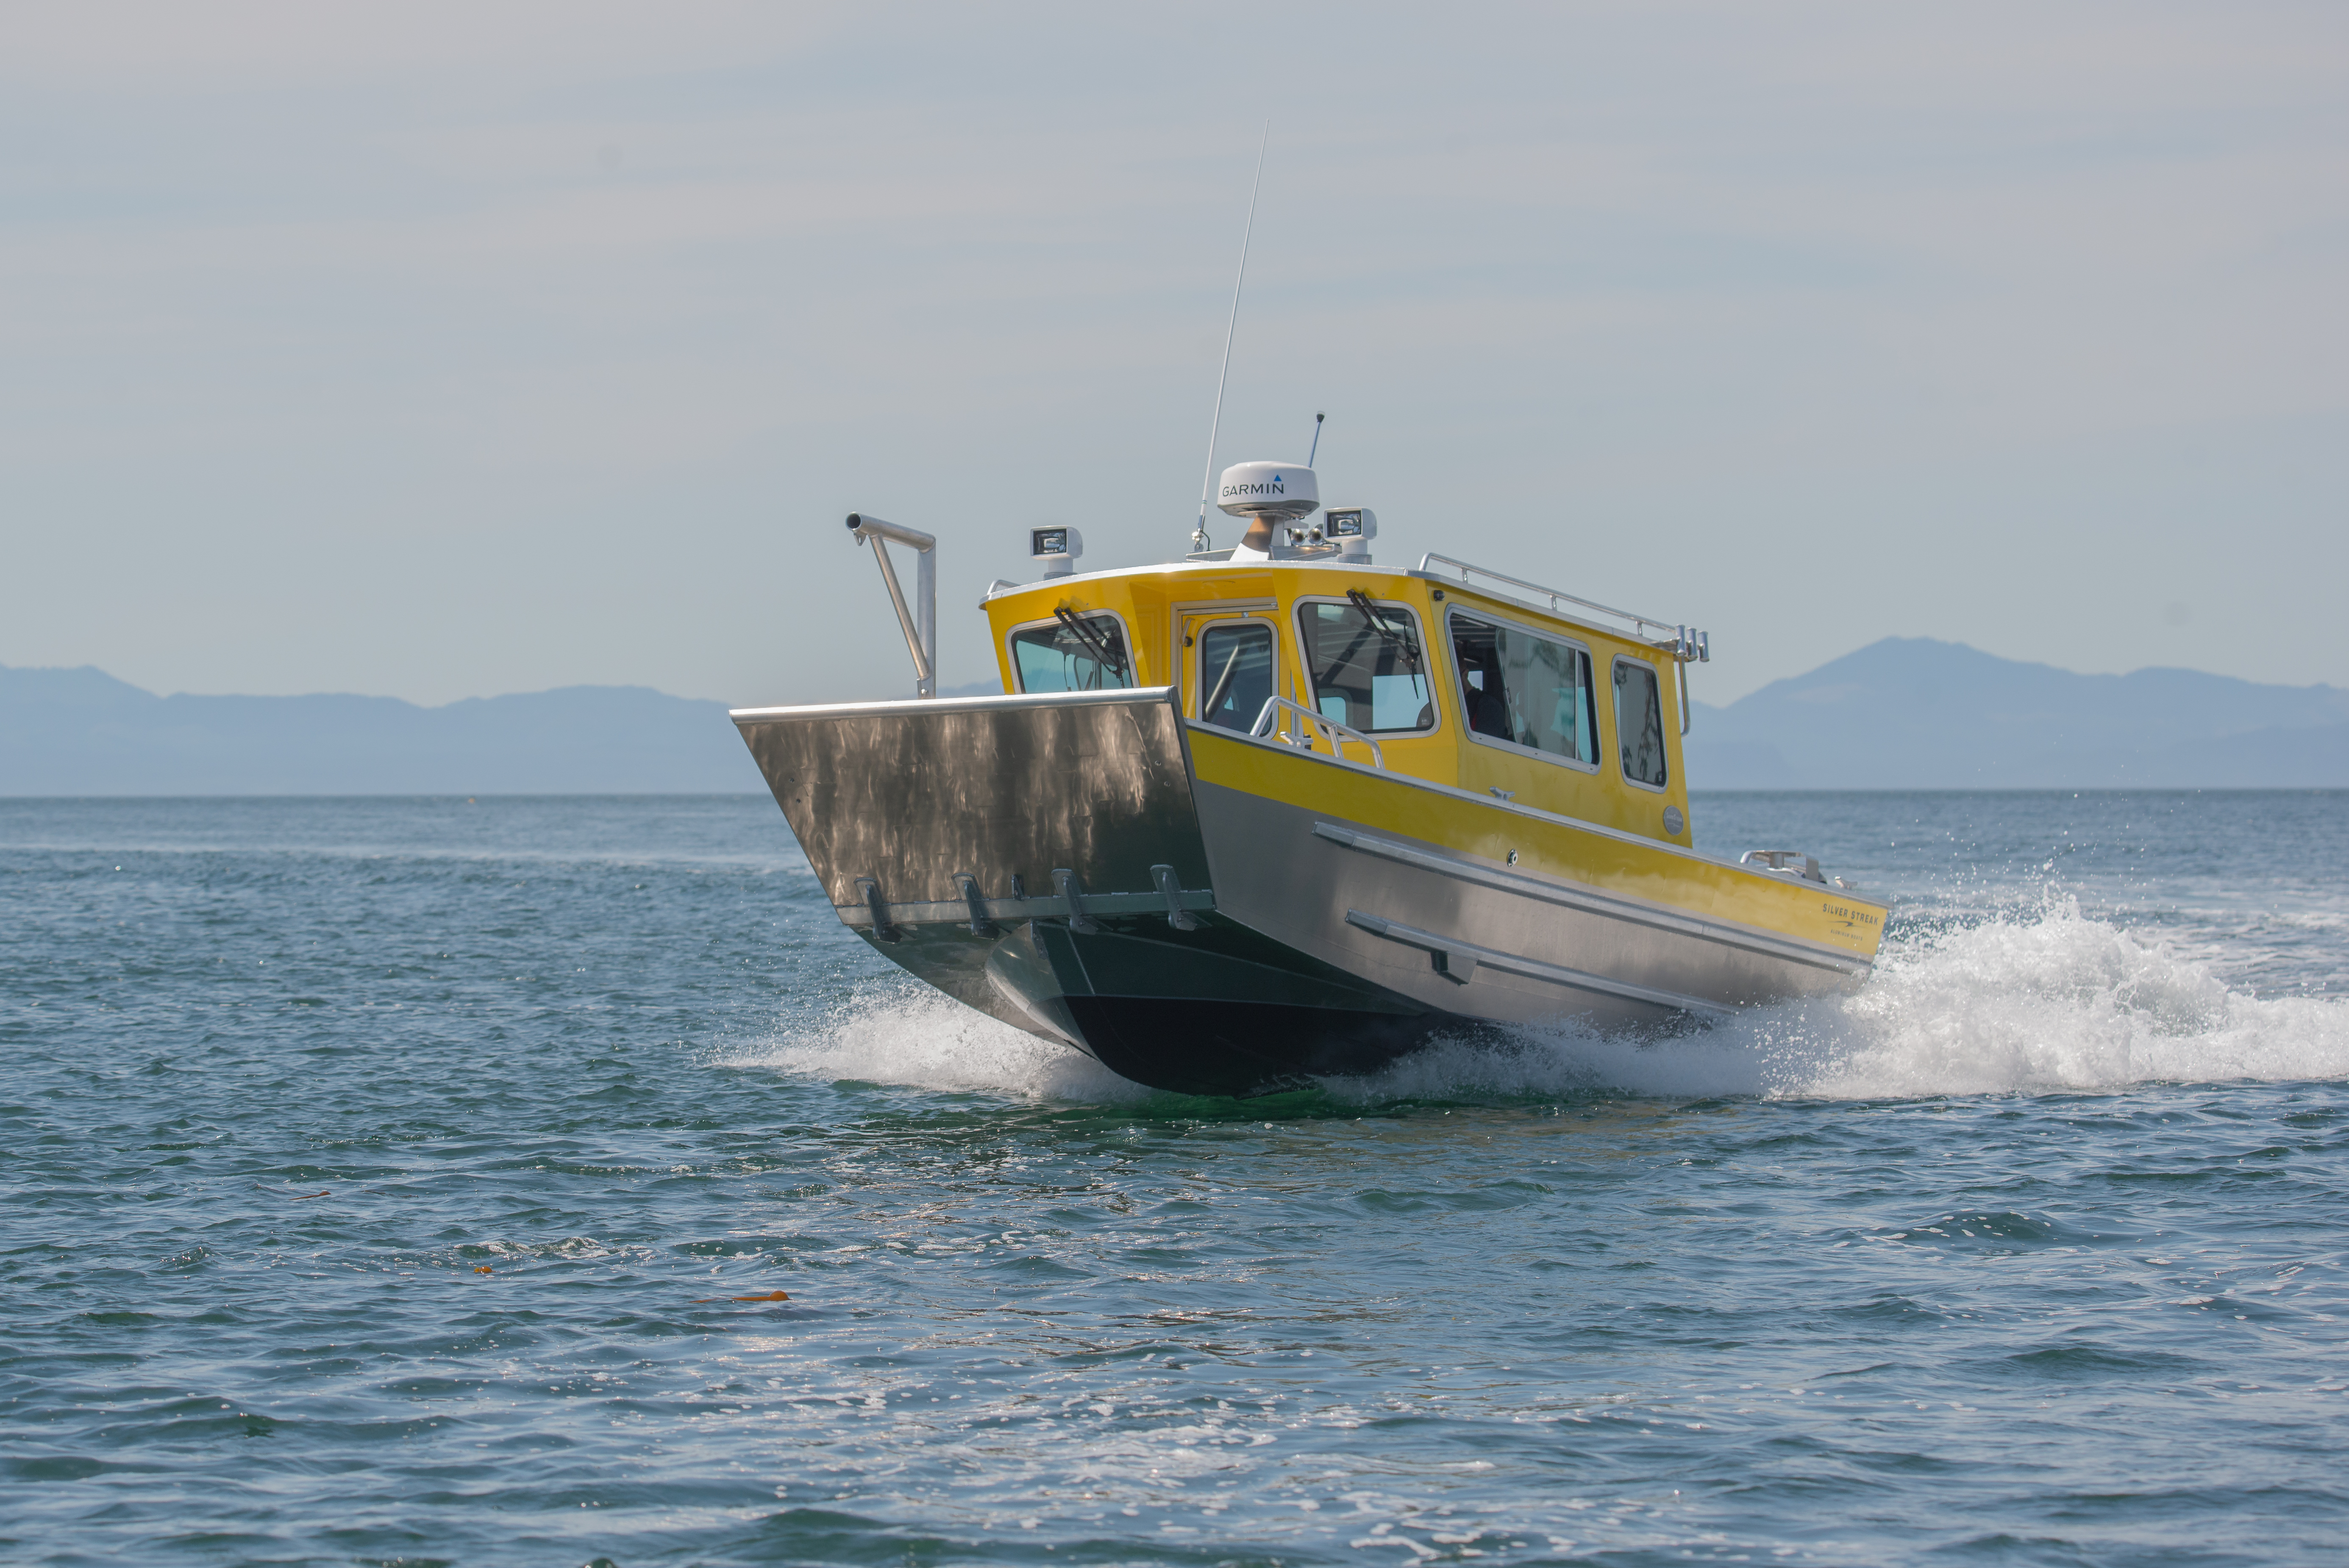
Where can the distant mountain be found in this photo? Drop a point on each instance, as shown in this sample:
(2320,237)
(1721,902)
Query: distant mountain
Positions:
(1903,714)
(82,732)
(1912,713)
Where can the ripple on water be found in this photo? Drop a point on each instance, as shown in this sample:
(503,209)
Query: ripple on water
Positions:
(2023,1253)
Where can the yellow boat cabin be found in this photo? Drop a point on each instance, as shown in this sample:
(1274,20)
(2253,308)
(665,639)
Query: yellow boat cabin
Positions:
(1439,680)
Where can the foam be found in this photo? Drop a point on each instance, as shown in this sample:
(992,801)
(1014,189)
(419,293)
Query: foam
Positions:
(2053,1000)
(2049,1000)
(901,1032)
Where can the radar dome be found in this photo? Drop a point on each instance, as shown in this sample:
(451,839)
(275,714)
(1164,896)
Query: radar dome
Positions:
(1276,492)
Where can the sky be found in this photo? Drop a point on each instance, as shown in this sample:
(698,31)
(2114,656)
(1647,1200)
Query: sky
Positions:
(438,351)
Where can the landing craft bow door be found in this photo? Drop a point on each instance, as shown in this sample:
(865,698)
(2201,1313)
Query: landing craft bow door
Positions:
(1232,663)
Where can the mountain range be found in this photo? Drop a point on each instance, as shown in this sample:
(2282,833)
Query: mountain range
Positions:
(83,732)
(1903,713)
(1911,713)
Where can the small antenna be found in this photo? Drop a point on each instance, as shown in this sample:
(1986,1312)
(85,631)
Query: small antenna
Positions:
(1316,439)
(1207,479)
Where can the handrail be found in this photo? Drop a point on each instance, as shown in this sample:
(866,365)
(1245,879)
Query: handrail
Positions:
(921,630)
(1339,733)
(1683,646)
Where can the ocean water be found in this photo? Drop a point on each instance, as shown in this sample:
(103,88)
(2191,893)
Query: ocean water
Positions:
(381,1178)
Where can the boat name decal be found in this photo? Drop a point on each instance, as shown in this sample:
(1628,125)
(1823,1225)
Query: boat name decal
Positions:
(1845,914)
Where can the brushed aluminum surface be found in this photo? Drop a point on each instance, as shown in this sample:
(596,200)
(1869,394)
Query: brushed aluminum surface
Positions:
(1639,912)
(1296,875)
(1459,962)
(914,795)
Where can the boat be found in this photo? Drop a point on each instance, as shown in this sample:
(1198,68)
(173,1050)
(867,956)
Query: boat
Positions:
(1257,816)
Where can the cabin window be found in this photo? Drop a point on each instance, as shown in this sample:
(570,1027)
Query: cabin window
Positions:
(1369,668)
(1528,690)
(1072,653)
(1235,672)
(1639,722)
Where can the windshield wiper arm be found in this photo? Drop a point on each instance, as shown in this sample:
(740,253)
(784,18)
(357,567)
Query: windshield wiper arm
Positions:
(1223,683)
(1095,644)
(1400,642)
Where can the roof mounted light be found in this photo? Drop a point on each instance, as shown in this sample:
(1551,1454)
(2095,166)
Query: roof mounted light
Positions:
(1353,528)
(1056,548)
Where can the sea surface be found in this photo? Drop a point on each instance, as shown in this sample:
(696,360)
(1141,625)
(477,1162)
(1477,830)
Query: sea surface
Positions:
(378,1179)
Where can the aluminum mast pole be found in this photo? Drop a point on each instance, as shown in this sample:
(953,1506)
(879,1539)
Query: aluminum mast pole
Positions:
(1207,479)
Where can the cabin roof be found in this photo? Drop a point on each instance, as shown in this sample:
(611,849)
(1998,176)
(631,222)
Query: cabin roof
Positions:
(1449,582)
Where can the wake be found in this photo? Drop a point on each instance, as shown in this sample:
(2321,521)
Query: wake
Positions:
(903,1032)
(2057,1001)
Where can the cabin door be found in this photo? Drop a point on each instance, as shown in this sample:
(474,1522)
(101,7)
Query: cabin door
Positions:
(1231,666)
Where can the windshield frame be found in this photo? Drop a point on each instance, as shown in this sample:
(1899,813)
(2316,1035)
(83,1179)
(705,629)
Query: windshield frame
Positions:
(1053,622)
(1302,608)
(1663,726)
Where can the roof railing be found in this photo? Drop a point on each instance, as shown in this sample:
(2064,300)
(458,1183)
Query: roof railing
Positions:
(1683,644)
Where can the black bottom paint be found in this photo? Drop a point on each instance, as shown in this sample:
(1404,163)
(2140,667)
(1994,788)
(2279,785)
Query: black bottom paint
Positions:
(1187,1046)
(1217,1010)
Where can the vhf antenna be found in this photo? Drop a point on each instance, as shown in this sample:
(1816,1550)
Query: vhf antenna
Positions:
(1316,439)
(1208,480)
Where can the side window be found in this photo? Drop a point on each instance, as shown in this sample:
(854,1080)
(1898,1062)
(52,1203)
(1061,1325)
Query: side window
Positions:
(1234,672)
(1076,653)
(1368,668)
(1639,722)
(1528,690)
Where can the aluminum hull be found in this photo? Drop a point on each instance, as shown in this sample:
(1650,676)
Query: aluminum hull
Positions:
(1205,912)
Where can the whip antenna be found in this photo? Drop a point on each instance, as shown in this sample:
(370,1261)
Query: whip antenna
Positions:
(1207,479)
(1316,439)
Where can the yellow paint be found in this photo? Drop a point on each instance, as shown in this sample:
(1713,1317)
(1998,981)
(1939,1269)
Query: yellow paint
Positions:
(1493,832)
(1163,608)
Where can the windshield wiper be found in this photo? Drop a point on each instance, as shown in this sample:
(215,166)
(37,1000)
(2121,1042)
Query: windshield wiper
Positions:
(1402,642)
(1223,682)
(1095,644)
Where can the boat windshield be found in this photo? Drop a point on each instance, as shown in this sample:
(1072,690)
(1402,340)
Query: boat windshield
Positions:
(1369,672)
(1528,690)
(1639,722)
(1075,653)
(1236,667)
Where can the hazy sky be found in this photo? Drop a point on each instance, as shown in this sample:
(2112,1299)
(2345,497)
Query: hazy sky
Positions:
(440,351)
